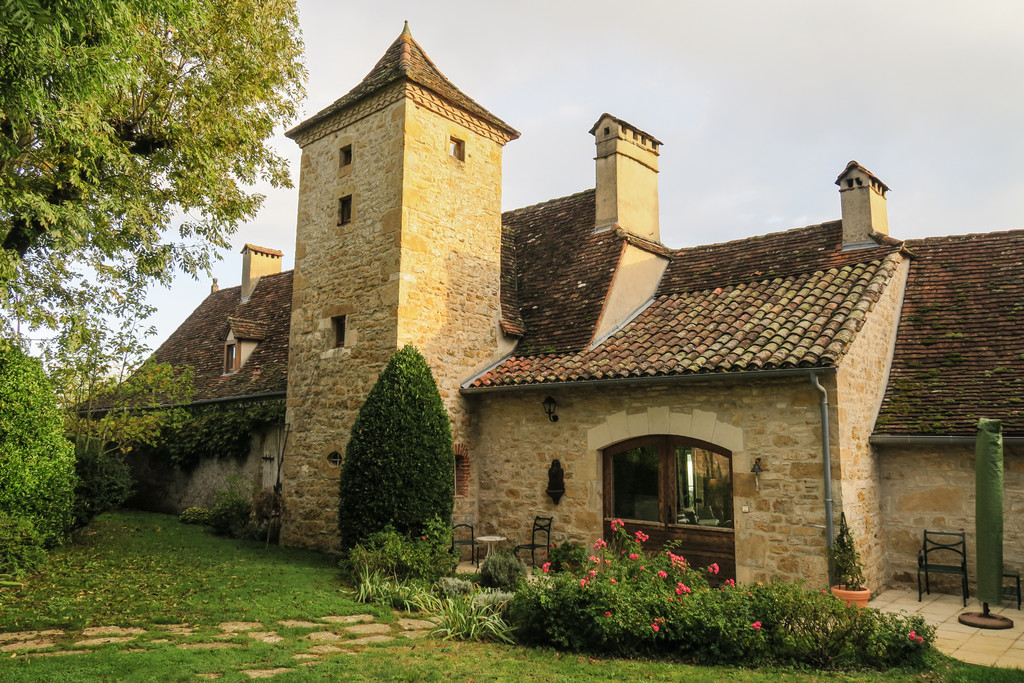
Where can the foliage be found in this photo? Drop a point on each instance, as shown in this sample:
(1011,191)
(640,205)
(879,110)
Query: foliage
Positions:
(375,587)
(232,510)
(399,460)
(502,570)
(211,432)
(451,586)
(568,557)
(633,603)
(401,557)
(844,560)
(37,465)
(104,481)
(195,515)
(21,546)
(130,133)
(466,618)
(112,391)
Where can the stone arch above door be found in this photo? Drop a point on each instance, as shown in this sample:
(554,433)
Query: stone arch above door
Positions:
(695,424)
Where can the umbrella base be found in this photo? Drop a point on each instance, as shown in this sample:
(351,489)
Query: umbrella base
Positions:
(985,620)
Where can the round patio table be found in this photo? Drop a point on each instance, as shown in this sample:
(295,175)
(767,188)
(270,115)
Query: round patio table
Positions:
(489,541)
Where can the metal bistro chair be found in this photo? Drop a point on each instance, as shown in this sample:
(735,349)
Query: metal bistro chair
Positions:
(465,522)
(541,525)
(950,545)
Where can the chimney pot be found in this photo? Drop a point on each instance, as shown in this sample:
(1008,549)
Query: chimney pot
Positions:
(627,178)
(862,196)
(257,262)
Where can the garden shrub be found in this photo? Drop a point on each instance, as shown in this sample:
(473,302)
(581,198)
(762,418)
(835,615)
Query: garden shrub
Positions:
(450,586)
(427,557)
(466,618)
(37,462)
(21,546)
(568,557)
(633,603)
(399,461)
(194,515)
(232,510)
(502,570)
(104,481)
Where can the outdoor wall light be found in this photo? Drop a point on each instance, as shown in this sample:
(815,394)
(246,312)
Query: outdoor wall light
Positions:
(556,481)
(549,408)
(756,469)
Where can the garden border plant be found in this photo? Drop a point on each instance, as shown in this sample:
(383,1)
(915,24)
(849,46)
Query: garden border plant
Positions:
(631,602)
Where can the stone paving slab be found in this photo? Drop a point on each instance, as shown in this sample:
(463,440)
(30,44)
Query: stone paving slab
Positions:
(368,629)
(323,635)
(413,624)
(298,623)
(265,636)
(266,673)
(106,640)
(36,644)
(29,635)
(350,619)
(111,631)
(367,640)
(240,626)
(325,649)
(414,634)
(206,646)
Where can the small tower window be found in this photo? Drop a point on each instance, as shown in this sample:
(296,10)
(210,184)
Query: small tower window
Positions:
(457,148)
(334,459)
(338,325)
(345,156)
(345,210)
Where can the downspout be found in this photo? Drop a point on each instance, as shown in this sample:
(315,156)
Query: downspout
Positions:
(826,458)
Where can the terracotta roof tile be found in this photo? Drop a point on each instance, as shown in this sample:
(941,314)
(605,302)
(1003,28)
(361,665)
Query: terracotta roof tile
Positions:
(406,59)
(199,341)
(960,352)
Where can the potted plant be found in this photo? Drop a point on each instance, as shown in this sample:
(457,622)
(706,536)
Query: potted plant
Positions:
(847,571)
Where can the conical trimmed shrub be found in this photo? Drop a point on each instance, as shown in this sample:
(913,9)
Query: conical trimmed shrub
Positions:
(399,464)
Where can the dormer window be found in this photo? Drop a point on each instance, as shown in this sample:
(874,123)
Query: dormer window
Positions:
(231,358)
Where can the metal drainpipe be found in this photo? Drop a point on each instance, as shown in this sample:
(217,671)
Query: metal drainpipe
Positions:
(826,457)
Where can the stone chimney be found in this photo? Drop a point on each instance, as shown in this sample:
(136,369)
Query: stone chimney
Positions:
(257,262)
(627,178)
(863,200)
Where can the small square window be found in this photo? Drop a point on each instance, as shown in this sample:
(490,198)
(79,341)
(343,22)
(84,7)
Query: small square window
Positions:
(345,210)
(338,325)
(345,156)
(457,148)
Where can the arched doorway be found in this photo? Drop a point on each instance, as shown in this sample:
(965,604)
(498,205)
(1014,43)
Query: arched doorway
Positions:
(674,488)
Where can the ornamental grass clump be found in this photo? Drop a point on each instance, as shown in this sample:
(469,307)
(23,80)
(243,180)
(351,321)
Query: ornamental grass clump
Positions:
(631,602)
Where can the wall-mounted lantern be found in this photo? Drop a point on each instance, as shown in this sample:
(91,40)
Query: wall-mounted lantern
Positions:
(549,408)
(756,469)
(556,481)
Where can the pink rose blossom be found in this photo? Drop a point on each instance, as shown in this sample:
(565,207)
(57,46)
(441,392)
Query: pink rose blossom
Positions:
(616,524)
(592,573)
(594,559)
(655,627)
(613,580)
(682,588)
(641,536)
(662,575)
(634,556)
(756,625)
(920,639)
(713,568)
(583,582)
(607,614)
(913,636)
(545,567)
(730,582)
(599,543)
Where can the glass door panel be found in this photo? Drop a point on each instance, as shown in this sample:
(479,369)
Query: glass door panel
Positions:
(636,484)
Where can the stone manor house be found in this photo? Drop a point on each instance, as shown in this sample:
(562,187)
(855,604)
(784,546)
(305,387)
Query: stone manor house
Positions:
(735,396)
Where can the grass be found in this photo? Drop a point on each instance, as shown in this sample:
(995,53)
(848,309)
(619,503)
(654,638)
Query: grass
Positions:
(149,571)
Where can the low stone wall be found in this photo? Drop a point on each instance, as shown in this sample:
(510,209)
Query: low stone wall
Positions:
(933,488)
(162,487)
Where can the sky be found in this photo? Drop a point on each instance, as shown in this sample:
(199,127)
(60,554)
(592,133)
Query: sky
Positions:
(759,106)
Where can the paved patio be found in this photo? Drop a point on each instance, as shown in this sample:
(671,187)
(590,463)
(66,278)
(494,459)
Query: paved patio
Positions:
(973,645)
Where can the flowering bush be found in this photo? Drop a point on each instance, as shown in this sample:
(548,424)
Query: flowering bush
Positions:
(631,602)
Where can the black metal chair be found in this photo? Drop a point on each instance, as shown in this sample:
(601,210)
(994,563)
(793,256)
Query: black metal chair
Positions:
(1013,574)
(541,525)
(465,522)
(950,545)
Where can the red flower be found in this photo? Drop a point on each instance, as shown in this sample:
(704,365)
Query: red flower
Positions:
(583,582)
(634,556)
(613,580)
(913,636)
(756,625)
(599,543)
(730,582)
(641,536)
(607,614)
(545,567)
(713,568)
(655,627)
(662,574)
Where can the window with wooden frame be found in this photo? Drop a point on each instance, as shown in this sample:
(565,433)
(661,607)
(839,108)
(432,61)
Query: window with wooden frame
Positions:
(345,210)
(231,358)
(457,148)
(338,323)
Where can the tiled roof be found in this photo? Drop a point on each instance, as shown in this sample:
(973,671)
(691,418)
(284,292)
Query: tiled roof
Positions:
(406,59)
(562,272)
(960,349)
(807,320)
(199,341)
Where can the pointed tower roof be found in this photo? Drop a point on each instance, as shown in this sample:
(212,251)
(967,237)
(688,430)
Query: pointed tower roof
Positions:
(406,59)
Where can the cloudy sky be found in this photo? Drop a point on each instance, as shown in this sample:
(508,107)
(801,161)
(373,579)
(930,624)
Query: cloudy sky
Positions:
(759,105)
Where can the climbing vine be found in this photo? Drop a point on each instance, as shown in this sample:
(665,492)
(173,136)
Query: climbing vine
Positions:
(215,431)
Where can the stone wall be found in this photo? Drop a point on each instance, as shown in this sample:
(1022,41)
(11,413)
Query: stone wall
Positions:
(161,487)
(780,535)
(933,487)
(860,387)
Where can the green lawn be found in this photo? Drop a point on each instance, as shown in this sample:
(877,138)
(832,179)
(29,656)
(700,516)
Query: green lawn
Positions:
(150,573)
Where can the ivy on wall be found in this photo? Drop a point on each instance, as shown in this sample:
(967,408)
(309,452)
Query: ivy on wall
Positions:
(216,431)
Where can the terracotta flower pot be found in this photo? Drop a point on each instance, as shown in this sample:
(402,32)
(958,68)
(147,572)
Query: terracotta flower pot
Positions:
(856,598)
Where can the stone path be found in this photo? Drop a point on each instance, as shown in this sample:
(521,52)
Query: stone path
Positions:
(326,636)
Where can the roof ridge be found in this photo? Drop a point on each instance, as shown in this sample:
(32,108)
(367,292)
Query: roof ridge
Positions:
(970,235)
(575,195)
(756,238)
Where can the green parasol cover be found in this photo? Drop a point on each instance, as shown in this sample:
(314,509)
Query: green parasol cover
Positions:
(988,515)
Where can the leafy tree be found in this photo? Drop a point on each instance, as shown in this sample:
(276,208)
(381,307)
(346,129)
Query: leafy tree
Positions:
(37,463)
(399,463)
(130,134)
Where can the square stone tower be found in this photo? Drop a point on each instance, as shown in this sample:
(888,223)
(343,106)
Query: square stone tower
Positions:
(398,242)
